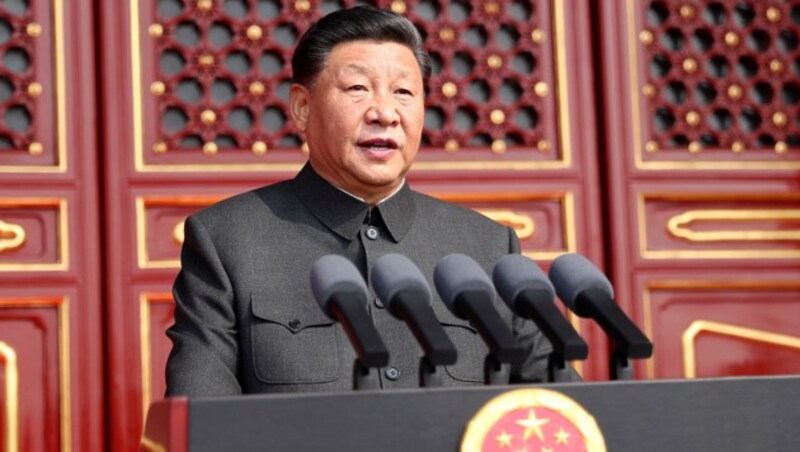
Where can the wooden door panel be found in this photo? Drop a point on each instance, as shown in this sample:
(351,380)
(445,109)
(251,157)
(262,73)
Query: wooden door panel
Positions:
(36,371)
(720,322)
(702,176)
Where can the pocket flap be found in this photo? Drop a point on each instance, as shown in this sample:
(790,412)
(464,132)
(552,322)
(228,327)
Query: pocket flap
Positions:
(295,315)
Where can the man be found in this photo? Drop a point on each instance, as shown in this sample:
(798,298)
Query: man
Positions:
(245,317)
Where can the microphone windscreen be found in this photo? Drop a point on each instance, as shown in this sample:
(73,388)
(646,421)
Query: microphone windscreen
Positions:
(456,273)
(572,274)
(515,273)
(393,273)
(334,274)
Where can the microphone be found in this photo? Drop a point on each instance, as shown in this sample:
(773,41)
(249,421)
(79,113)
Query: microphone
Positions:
(588,293)
(407,296)
(528,293)
(342,295)
(468,293)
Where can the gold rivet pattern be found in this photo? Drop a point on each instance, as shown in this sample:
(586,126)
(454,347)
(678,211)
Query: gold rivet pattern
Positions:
(206,59)
(399,7)
(543,145)
(35,89)
(689,65)
(732,39)
(735,92)
(646,37)
(35,149)
(155,30)
(538,36)
(208,116)
(210,148)
(776,65)
(494,61)
(254,32)
(33,29)
(449,89)
(497,117)
(773,14)
(447,34)
(651,147)
(541,89)
(779,118)
(781,147)
(305,149)
(204,5)
(499,146)
(451,146)
(259,148)
(737,147)
(256,88)
(157,88)
(695,147)
(687,11)
(491,8)
(692,118)
(160,147)
(649,90)
(302,6)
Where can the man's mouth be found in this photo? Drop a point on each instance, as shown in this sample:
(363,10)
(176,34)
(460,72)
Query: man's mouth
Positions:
(379,144)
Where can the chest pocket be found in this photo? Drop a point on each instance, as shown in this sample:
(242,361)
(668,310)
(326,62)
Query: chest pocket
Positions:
(471,348)
(292,342)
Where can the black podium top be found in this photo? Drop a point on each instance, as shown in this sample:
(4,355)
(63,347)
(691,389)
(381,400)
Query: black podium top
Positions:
(732,414)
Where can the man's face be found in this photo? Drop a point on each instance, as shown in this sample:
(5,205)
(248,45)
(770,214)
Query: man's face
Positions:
(363,117)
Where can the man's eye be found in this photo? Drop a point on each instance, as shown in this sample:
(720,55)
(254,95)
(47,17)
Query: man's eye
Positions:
(357,88)
(404,92)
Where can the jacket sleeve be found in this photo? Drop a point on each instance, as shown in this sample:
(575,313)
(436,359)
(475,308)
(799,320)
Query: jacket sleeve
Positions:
(205,356)
(537,346)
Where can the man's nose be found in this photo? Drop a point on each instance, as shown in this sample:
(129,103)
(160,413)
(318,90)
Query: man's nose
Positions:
(383,111)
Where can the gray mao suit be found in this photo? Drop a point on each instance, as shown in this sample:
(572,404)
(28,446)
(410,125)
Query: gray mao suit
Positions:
(245,317)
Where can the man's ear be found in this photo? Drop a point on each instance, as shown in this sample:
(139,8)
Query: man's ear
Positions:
(299,98)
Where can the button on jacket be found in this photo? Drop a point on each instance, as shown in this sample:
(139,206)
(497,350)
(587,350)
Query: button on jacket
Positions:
(246,320)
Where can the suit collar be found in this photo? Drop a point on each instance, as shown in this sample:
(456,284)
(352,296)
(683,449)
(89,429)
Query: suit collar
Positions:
(344,214)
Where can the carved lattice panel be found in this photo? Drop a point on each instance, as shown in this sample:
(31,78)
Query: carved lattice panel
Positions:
(214,81)
(30,73)
(715,81)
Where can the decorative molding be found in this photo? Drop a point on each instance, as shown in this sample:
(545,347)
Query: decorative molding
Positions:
(725,329)
(11,390)
(61,304)
(61,234)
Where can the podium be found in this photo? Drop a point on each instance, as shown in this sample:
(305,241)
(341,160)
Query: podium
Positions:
(730,414)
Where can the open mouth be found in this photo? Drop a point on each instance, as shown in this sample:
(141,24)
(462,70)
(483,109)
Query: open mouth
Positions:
(378,144)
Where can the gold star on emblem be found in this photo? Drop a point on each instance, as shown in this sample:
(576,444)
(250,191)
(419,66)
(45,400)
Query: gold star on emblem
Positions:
(547,449)
(562,436)
(504,439)
(533,425)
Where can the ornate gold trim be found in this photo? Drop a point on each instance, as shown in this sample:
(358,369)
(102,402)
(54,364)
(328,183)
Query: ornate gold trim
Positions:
(493,411)
(706,326)
(61,102)
(562,127)
(648,253)
(686,285)
(567,200)
(677,225)
(17,233)
(142,202)
(64,369)
(144,342)
(636,114)
(11,377)
(522,224)
(62,234)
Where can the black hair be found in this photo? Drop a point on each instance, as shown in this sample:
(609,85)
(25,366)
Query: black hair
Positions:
(354,24)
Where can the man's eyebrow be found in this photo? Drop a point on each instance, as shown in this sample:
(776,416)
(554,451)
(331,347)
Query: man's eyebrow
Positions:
(366,69)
